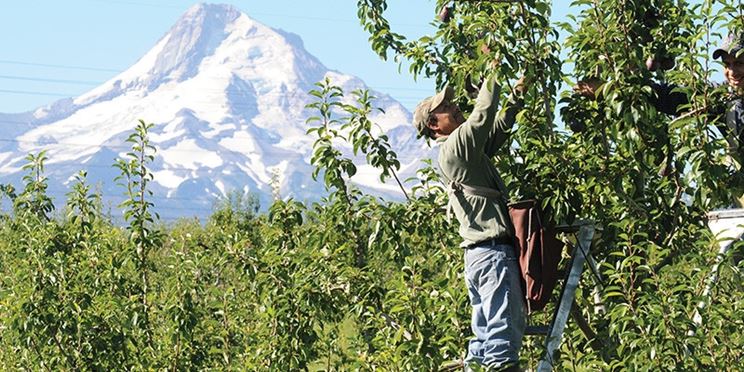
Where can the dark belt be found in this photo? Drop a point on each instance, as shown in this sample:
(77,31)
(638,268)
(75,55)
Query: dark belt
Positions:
(501,240)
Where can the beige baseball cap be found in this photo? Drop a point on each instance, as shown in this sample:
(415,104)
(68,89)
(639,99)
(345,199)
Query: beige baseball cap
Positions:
(424,109)
(732,45)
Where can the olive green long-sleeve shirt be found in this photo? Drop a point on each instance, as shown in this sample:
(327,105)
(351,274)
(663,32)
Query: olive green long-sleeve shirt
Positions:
(465,157)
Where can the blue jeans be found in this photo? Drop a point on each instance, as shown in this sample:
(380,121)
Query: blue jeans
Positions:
(498,314)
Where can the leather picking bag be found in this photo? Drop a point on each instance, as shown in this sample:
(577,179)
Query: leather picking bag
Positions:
(539,252)
(535,244)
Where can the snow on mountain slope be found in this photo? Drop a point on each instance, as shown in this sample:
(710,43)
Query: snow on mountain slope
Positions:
(227,97)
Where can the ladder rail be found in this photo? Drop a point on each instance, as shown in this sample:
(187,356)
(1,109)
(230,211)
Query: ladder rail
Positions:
(581,251)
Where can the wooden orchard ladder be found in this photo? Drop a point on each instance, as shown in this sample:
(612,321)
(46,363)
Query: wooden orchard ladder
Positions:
(580,255)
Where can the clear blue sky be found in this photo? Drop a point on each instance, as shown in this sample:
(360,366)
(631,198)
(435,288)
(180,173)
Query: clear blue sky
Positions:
(53,49)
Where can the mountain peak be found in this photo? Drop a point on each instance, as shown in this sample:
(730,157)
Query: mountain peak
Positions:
(227,96)
(204,11)
(196,35)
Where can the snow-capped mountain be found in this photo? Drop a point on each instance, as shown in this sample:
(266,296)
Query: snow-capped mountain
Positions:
(227,97)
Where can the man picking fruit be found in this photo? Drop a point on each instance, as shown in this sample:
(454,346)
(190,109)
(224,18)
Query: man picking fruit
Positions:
(466,147)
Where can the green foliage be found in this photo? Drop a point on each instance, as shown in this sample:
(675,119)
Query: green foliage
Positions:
(358,283)
(347,283)
(645,178)
(144,237)
(33,200)
(235,210)
(325,156)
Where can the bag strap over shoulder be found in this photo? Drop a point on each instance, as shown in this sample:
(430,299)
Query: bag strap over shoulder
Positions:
(474,190)
(457,187)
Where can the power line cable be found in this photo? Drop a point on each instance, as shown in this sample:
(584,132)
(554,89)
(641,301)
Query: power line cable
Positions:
(251,14)
(265,152)
(124,197)
(379,89)
(154,5)
(26,78)
(23,63)
(235,105)
(212,208)
(33,93)
(214,199)
(124,147)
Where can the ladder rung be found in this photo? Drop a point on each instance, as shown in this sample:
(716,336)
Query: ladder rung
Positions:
(536,330)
